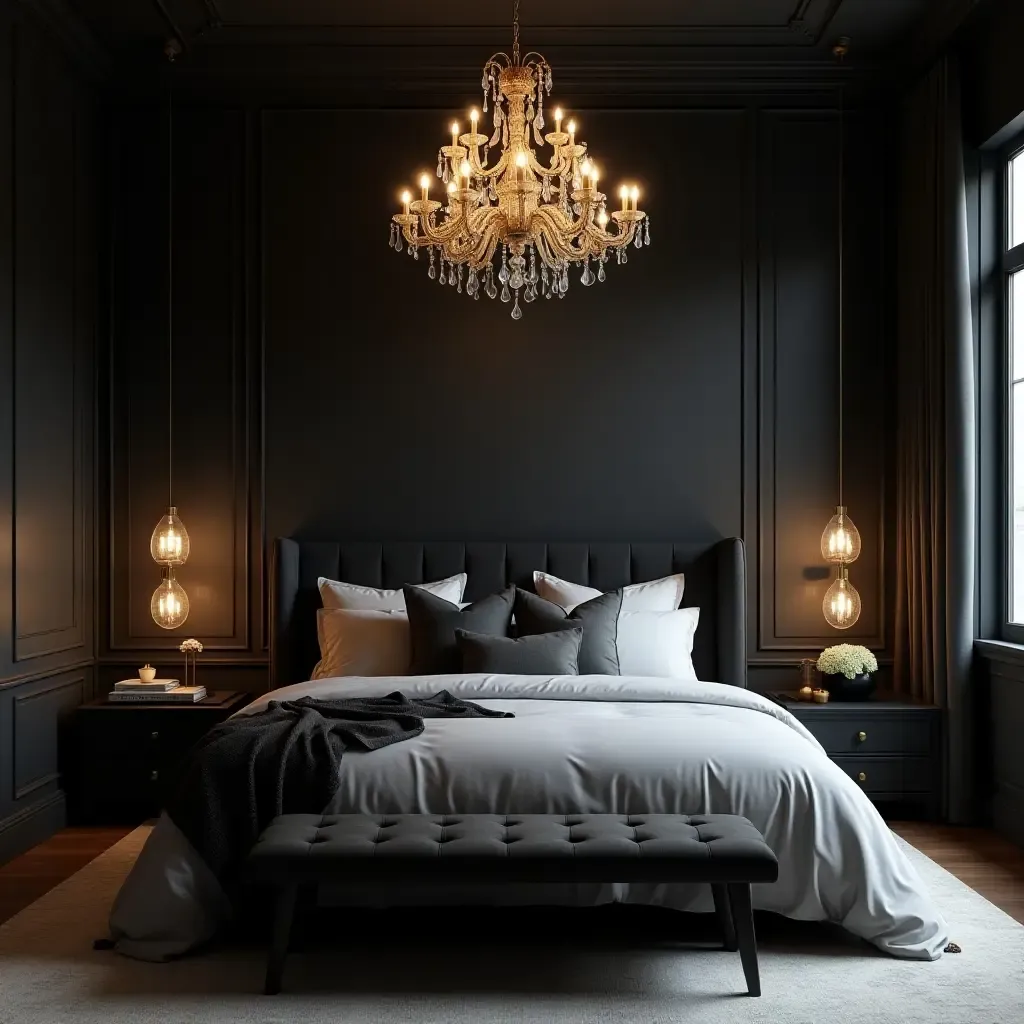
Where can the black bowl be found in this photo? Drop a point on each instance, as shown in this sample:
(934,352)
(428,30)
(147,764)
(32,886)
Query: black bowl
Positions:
(841,687)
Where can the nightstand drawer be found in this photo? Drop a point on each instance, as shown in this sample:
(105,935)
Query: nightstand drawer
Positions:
(871,733)
(895,775)
(127,780)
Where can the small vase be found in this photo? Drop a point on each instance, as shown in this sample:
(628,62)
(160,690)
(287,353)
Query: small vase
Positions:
(841,687)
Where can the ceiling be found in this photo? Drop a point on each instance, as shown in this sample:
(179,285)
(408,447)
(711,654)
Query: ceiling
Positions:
(810,26)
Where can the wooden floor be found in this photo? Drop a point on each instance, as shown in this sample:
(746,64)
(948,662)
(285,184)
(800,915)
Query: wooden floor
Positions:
(26,878)
(979,857)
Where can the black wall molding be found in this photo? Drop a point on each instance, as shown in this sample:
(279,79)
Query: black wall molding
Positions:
(336,373)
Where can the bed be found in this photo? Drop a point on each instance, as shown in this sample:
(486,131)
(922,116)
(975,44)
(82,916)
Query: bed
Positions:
(587,744)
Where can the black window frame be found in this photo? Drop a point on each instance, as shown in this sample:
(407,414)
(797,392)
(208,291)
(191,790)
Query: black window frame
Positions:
(1010,262)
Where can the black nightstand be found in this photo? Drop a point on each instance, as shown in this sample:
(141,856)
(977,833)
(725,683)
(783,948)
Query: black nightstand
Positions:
(128,751)
(891,746)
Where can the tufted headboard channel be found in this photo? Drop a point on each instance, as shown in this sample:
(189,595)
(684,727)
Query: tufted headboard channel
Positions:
(715,581)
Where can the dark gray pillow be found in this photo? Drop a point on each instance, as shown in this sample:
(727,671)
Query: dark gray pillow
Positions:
(555,654)
(599,618)
(433,621)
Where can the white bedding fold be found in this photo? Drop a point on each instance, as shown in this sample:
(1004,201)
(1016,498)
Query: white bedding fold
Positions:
(615,744)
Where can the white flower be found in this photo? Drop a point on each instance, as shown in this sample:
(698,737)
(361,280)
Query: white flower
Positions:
(846,659)
(191,647)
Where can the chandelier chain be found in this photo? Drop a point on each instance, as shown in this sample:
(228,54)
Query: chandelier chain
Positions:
(515,32)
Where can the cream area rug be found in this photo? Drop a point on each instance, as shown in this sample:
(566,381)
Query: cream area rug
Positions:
(432,967)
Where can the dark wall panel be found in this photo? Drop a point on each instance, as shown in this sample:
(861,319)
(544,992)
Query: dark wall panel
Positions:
(396,407)
(799,383)
(48,273)
(211,437)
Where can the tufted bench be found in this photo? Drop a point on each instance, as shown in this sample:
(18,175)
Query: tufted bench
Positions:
(493,849)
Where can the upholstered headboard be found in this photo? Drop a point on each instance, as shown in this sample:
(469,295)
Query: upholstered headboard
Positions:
(715,581)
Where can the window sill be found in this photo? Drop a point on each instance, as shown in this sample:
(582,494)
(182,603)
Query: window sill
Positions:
(1001,650)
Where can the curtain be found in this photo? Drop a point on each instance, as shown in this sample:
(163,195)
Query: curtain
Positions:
(936,426)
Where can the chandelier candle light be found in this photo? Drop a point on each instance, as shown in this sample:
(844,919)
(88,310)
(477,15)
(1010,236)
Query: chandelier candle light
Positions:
(840,541)
(504,206)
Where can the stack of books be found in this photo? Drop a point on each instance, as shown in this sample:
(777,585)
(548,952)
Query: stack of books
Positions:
(159,691)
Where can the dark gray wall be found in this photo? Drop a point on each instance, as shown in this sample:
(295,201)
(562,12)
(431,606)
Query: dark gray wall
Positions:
(47,384)
(993,84)
(327,388)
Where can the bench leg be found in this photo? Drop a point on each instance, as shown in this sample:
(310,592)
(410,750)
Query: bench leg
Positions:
(284,912)
(724,912)
(743,919)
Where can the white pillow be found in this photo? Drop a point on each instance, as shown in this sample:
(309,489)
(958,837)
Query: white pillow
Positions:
(335,594)
(664,595)
(657,643)
(362,642)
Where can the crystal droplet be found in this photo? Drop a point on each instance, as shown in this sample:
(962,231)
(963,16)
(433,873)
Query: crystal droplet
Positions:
(451,274)
(530,294)
(459,289)
(442,278)
(431,272)
(491,290)
(638,242)
(398,241)
(503,274)
(647,231)
(517,313)
(625,255)
(506,295)
(587,278)
(440,163)
(391,234)
(600,272)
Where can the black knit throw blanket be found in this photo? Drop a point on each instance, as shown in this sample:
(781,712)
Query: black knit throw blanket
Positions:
(284,760)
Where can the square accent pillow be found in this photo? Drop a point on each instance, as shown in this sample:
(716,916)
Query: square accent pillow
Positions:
(547,654)
(658,643)
(336,594)
(597,617)
(357,642)
(664,595)
(433,621)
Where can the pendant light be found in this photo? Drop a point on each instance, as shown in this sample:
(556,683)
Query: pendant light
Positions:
(840,541)
(169,545)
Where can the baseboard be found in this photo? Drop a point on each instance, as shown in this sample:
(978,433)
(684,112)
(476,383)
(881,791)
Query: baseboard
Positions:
(32,825)
(1008,812)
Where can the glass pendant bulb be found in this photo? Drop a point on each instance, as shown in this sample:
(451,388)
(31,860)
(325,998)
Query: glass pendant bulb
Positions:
(840,541)
(169,544)
(841,604)
(169,604)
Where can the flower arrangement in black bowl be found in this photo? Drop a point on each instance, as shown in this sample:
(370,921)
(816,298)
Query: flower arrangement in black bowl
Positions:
(848,671)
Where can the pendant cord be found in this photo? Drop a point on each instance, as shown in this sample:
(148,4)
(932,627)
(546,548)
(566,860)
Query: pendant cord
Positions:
(515,32)
(170,298)
(842,176)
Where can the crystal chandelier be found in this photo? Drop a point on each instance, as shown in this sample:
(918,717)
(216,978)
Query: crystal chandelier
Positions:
(505,206)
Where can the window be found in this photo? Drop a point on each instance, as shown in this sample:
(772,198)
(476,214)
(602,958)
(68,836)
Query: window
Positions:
(1013,269)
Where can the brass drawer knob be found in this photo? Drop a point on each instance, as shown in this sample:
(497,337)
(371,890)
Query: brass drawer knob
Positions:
(861,777)
(861,737)
(154,775)
(155,735)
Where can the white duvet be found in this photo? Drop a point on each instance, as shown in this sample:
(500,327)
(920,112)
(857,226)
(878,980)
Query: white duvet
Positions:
(615,744)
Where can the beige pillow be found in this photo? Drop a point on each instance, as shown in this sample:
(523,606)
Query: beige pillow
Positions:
(361,642)
(335,594)
(664,595)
